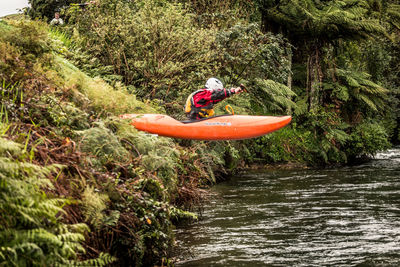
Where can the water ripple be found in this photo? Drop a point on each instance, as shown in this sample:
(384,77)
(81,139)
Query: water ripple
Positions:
(337,217)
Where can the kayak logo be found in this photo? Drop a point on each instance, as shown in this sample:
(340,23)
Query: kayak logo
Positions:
(218,123)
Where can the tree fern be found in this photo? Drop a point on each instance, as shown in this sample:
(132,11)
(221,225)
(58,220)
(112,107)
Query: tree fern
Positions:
(313,25)
(387,11)
(271,96)
(362,90)
(327,20)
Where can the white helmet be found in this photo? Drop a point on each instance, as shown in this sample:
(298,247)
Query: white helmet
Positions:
(214,84)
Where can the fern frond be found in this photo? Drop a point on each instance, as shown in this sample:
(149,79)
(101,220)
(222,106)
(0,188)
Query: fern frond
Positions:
(9,146)
(104,259)
(337,135)
(276,96)
(367,101)
(76,228)
(351,81)
(301,107)
(31,233)
(329,20)
(70,237)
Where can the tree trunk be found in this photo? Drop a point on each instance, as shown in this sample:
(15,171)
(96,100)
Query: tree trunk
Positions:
(268,25)
(314,77)
(290,77)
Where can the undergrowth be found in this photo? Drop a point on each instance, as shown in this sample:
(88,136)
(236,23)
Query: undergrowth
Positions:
(126,192)
(31,230)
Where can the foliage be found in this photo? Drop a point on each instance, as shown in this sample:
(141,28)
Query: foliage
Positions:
(11,102)
(245,51)
(362,89)
(47,8)
(319,139)
(174,56)
(145,230)
(312,27)
(28,42)
(31,232)
(288,145)
(154,45)
(344,73)
(329,20)
(382,63)
(221,14)
(258,60)
(66,126)
(330,134)
(61,41)
(30,37)
(25,61)
(94,206)
(96,93)
(129,185)
(356,93)
(272,97)
(387,11)
(367,139)
(103,144)
(163,161)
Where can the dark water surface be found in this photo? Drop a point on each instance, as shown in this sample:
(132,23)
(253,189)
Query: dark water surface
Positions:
(337,217)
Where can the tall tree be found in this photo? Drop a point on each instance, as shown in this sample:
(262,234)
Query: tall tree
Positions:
(313,25)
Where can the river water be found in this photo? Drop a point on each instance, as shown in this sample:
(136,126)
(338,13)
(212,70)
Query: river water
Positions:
(333,217)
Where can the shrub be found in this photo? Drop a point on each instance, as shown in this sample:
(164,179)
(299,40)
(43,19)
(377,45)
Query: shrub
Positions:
(163,161)
(24,47)
(286,145)
(154,45)
(103,145)
(319,140)
(31,232)
(367,139)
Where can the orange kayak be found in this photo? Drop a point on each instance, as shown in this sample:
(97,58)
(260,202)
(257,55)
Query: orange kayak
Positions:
(225,127)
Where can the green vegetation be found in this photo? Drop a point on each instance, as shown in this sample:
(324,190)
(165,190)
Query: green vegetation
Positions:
(31,233)
(81,186)
(45,9)
(121,189)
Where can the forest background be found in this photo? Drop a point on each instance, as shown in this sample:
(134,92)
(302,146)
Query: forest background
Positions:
(80,186)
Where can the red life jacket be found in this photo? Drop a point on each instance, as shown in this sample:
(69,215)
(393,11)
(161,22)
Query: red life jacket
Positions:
(200,103)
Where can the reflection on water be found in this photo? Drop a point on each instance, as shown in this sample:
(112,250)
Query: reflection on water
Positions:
(336,217)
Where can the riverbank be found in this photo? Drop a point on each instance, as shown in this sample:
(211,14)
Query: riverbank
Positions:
(117,190)
(277,166)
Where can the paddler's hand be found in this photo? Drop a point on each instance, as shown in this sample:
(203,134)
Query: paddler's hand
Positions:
(236,90)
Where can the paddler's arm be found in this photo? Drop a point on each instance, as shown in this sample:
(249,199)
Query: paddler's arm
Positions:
(221,94)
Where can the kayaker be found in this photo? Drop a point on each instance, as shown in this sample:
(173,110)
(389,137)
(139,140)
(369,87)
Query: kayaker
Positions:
(200,104)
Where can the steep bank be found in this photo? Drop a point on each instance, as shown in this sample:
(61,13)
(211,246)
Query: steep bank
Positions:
(124,185)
